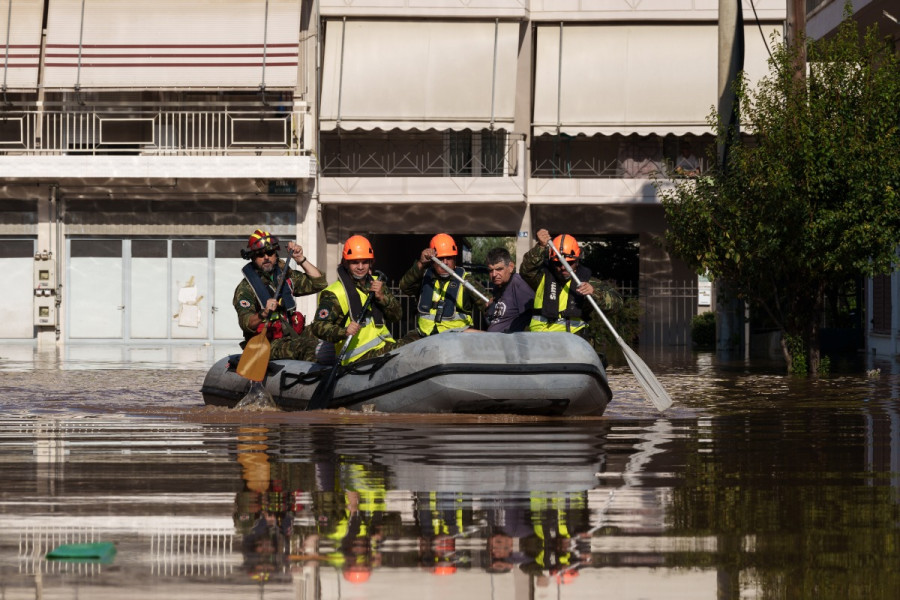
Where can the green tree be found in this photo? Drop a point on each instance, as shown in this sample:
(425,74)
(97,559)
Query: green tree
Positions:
(809,198)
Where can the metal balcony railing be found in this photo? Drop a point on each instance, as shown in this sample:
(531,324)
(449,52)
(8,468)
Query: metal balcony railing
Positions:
(269,130)
(421,154)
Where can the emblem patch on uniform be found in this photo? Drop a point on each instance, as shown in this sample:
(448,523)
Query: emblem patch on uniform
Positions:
(323,314)
(244,303)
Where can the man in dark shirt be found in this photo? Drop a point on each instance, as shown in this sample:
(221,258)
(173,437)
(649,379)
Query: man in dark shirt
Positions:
(513,299)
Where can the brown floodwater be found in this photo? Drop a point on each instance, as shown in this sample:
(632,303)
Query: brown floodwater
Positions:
(753,485)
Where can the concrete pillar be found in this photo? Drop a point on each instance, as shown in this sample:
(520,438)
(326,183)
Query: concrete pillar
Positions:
(525,239)
(523,112)
(729,312)
(48,270)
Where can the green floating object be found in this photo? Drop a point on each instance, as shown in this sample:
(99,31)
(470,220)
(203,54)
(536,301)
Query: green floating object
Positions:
(98,552)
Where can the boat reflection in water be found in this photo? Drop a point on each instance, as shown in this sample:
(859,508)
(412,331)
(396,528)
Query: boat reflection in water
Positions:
(393,508)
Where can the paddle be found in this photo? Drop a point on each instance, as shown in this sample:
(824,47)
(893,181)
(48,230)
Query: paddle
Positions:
(324,393)
(652,387)
(453,274)
(255,359)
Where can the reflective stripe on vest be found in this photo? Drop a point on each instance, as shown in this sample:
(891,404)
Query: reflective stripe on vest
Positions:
(427,321)
(370,336)
(541,323)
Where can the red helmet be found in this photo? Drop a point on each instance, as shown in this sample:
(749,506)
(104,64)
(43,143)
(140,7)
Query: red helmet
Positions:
(260,241)
(358,248)
(567,246)
(444,246)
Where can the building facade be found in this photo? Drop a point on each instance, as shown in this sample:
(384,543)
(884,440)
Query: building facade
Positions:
(141,142)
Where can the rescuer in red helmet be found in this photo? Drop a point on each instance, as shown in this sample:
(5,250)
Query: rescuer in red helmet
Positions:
(259,304)
(557,305)
(444,303)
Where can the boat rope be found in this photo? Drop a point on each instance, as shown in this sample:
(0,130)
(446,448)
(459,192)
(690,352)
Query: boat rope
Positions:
(301,378)
(367,367)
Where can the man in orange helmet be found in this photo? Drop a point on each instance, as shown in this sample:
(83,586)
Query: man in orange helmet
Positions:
(558,307)
(444,303)
(338,316)
(258,303)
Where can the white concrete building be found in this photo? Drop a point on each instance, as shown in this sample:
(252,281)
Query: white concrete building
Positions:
(141,142)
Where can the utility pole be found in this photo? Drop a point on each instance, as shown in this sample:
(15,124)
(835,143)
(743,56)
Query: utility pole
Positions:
(730,332)
(796,31)
(796,20)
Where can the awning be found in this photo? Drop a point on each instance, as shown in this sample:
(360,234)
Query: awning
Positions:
(172,44)
(418,75)
(624,79)
(20,43)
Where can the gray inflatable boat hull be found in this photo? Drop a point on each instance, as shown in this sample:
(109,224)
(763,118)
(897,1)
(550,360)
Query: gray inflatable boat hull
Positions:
(551,373)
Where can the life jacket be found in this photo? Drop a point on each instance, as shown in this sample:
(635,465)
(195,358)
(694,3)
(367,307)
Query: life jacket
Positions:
(556,308)
(287,305)
(373,334)
(441,304)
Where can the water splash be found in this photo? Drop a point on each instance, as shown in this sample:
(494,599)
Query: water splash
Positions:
(257,398)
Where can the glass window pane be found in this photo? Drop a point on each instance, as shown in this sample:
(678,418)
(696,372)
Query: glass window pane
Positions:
(96,248)
(189,248)
(149,249)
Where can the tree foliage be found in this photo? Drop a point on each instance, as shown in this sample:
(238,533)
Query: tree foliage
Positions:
(809,198)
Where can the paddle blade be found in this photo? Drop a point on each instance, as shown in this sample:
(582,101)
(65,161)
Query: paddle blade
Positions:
(653,389)
(255,359)
(321,398)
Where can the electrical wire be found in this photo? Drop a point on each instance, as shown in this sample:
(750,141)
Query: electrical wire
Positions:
(759,26)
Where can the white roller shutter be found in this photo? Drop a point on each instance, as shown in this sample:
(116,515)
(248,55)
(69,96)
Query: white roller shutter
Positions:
(20,43)
(172,44)
(632,78)
(419,75)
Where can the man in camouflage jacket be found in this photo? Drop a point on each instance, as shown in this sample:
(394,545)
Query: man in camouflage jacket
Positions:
(285,325)
(558,307)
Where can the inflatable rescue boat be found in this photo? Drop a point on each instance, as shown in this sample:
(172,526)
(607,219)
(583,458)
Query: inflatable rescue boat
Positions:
(550,373)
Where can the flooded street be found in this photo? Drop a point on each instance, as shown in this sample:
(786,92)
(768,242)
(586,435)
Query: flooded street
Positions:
(753,485)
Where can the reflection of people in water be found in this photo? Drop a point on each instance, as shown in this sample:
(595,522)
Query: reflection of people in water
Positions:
(349,521)
(552,547)
(266,546)
(262,512)
(507,523)
(442,519)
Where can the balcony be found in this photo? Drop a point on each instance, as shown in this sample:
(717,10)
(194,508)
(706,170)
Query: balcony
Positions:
(174,141)
(613,169)
(422,167)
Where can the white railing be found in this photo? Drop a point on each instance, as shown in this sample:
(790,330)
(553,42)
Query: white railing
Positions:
(269,130)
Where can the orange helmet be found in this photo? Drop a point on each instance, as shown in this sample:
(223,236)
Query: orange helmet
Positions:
(358,248)
(260,241)
(357,573)
(444,246)
(566,577)
(444,569)
(567,246)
